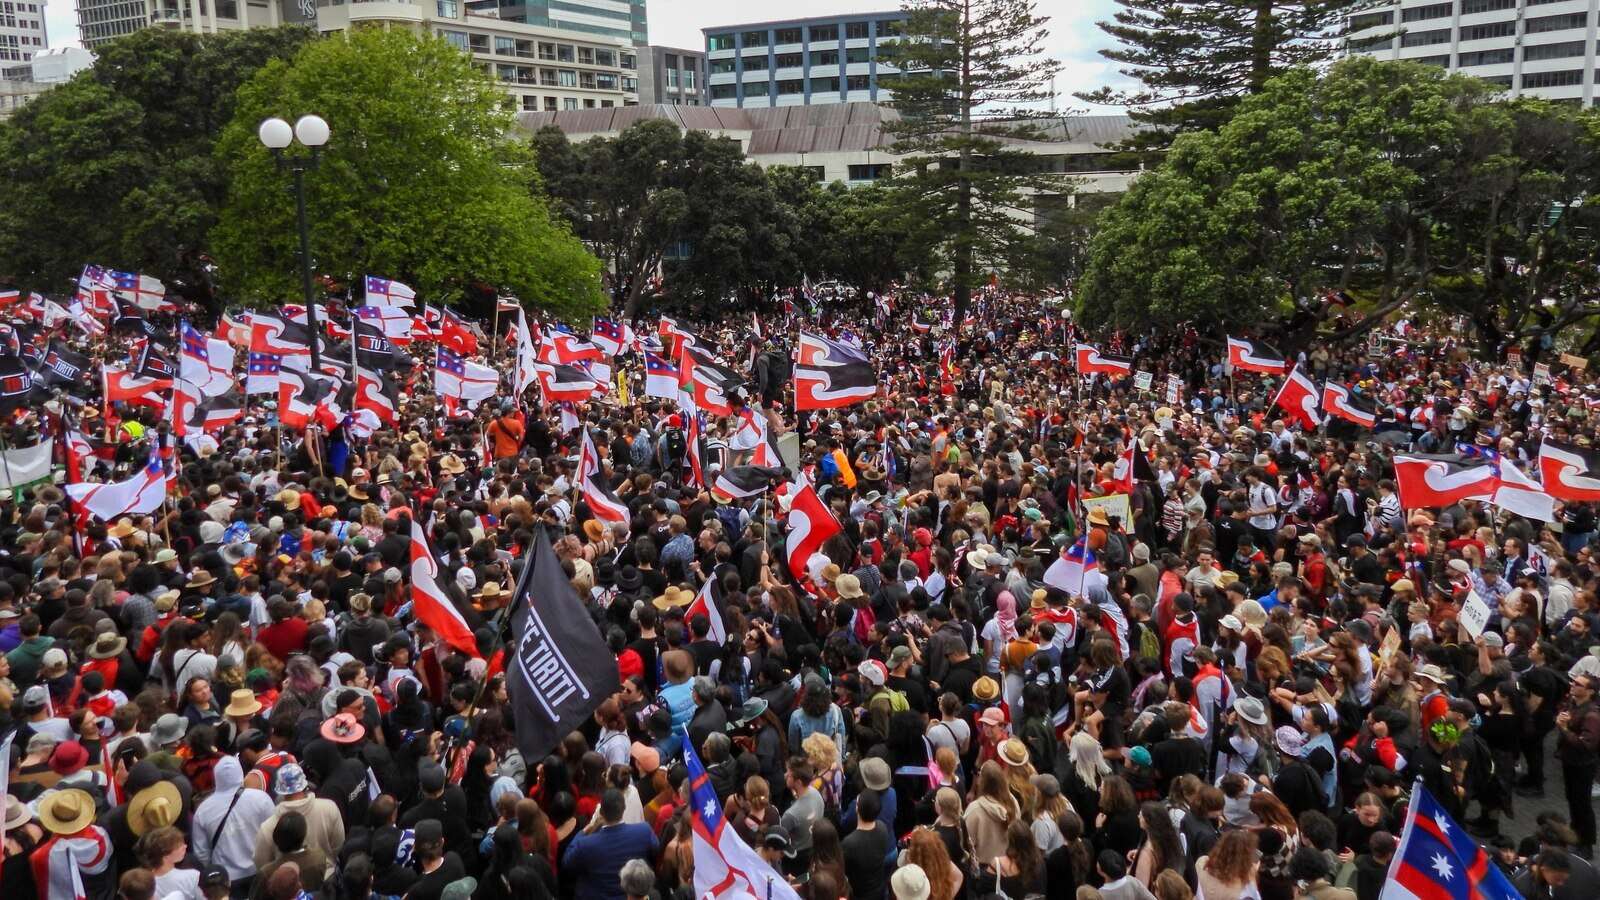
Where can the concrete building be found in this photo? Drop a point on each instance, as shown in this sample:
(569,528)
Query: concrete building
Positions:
(672,76)
(16,93)
(1540,48)
(798,62)
(22,31)
(624,19)
(845,142)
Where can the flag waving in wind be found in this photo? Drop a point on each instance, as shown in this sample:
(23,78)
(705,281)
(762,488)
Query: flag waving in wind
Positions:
(428,601)
(1437,859)
(725,868)
(1298,399)
(1247,356)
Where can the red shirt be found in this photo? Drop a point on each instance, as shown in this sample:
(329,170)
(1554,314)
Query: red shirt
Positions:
(286,638)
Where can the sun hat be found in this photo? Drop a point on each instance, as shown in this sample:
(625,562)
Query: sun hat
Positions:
(985,689)
(1433,673)
(291,780)
(910,883)
(749,711)
(849,587)
(166,555)
(1290,740)
(169,729)
(343,729)
(1097,516)
(202,579)
(242,702)
(107,646)
(154,807)
(69,811)
(18,813)
(673,598)
(875,774)
(1014,753)
(1251,710)
(68,757)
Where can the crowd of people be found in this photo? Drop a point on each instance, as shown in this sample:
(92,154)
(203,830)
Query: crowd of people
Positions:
(233,697)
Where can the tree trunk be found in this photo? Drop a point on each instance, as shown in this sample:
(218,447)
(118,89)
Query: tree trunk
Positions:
(1261,45)
(961,245)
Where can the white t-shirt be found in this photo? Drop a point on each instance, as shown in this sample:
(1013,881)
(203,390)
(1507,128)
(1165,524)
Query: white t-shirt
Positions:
(179,883)
(1264,497)
(956,735)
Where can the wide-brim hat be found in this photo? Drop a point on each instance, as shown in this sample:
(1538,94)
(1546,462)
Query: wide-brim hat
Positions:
(629,579)
(875,774)
(1014,753)
(985,689)
(358,492)
(242,702)
(749,712)
(1251,710)
(108,646)
(154,807)
(490,591)
(673,598)
(201,579)
(69,811)
(451,464)
(343,729)
(122,529)
(289,498)
(18,813)
(1097,516)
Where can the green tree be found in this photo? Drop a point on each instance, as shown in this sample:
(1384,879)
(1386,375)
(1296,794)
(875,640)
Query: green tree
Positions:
(972,74)
(1393,181)
(1195,59)
(116,167)
(421,181)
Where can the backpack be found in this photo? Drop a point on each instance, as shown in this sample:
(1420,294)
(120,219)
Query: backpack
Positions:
(1115,552)
(675,444)
(897,700)
(1149,643)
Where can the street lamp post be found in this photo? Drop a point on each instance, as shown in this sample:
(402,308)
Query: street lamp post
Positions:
(312,132)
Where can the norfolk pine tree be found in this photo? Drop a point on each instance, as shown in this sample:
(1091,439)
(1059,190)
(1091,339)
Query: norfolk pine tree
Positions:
(972,74)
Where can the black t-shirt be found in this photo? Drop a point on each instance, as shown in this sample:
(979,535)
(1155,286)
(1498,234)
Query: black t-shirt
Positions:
(916,692)
(432,885)
(960,678)
(864,856)
(1113,682)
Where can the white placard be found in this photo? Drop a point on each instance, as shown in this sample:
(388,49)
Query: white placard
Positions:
(1141,380)
(1474,615)
(1174,389)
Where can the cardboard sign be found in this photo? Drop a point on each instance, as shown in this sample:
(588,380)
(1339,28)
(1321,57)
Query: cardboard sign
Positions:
(1114,505)
(1174,389)
(1514,358)
(1141,380)
(1474,615)
(1541,373)
(1575,363)
(1389,646)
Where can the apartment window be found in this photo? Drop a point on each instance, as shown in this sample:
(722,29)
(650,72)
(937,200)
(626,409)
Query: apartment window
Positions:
(722,66)
(226,9)
(569,102)
(671,61)
(605,81)
(548,77)
(607,58)
(504,46)
(854,30)
(547,51)
(1489,30)
(757,88)
(723,91)
(1468,7)
(857,54)
(1432,11)
(720,42)
(586,55)
(1556,23)
(691,101)
(1371,20)
(1551,79)
(630,85)
(629,61)
(791,86)
(478,43)
(672,77)
(569,78)
(824,33)
(530,103)
(1491,57)
(857,83)
(1442,61)
(456,39)
(586,80)
(1541,2)
(870,171)
(1425,38)
(788,60)
(890,27)
(786,36)
(755,63)
(824,57)
(448,9)
(505,72)
(688,79)
(755,38)
(549,104)
(825,85)
(1497,80)
(564,53)
(588,103)
(1553,51)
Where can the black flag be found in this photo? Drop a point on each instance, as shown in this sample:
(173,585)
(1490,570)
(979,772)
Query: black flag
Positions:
(559,668)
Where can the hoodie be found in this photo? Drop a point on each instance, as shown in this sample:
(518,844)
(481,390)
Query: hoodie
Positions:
(225,825)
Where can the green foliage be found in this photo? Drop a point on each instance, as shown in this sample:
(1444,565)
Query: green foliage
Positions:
(419,181)
(1196,60)
(1391,180)
(973,75)
(653,190)
(116,167)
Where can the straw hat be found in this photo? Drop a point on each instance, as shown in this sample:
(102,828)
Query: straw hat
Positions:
(849,587)
(122,529)
(985,689)
(242,702)
(289,498)
(673,598)
(491,590)
(203,578)
(166,601)
(451,464)
(70,811)
(154,807)
(1014,753)
(1097,516)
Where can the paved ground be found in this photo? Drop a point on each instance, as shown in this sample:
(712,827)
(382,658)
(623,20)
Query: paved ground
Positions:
(1528,809)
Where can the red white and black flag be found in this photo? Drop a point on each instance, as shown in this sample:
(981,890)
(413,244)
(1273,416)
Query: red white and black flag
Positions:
(743,482)
(1298,397)
(1428,480)
(1569,472)
(1250,356)
(1091,361)
(602,502)
(1340,402)
(829,374)
(810,526)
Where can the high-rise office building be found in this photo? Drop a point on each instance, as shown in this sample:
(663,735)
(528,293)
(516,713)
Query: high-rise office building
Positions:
(22,31)
(672,76)
(798,62)
(1540,48)
(624,19)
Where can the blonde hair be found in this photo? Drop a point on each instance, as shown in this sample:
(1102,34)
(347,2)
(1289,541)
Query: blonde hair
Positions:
(822,752)
(1088,760)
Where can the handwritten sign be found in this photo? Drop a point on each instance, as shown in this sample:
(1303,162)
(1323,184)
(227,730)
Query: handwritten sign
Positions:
(1141,380)
(1474,615)
(1575,363)
(1113,504)
(1174,388)
(1389,646)
(1514,358)
(1541,373)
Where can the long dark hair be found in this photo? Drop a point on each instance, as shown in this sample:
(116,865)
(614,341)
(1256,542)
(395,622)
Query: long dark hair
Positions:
(1161,838)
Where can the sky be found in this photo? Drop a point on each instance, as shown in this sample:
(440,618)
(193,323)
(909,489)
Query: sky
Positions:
(1073,39)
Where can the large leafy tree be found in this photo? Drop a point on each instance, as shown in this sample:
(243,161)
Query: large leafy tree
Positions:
(972,74)
(421,181)
(685,206)
(1394,182)
(116,167)
(1195,59)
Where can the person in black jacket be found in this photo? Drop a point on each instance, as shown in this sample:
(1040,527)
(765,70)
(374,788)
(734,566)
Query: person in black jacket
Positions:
(443,803)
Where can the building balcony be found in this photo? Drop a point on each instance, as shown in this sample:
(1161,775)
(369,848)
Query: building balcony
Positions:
(386,11)
(794,72)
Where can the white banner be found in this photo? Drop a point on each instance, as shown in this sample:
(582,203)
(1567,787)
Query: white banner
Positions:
(26,465)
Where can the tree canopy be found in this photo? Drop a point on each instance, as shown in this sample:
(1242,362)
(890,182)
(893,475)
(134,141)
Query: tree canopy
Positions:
(116,166)
(420,181)
(1394,182)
